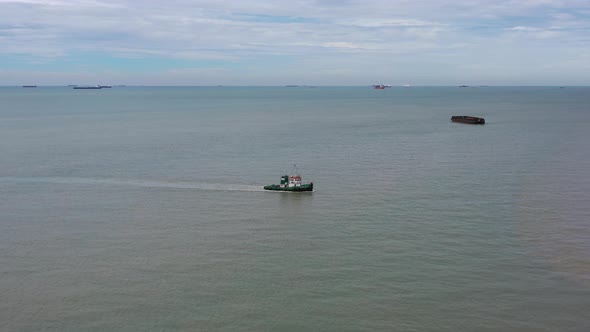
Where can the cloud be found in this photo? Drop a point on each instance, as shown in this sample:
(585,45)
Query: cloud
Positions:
(533,32)
(262,34)
(341,45)
(384,23)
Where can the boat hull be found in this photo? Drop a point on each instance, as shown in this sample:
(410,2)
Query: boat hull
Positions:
(301,188)
(468,119)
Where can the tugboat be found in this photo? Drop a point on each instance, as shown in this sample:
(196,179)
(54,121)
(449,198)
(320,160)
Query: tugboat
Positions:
(468,119)
(290,183)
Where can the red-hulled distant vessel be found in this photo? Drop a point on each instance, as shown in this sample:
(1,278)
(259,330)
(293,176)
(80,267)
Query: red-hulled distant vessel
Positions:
(381,86)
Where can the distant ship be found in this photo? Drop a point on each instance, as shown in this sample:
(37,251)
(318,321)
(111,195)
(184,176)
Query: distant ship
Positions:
(381,86)
(468,119)
(88,87)
(29,86)
(463,86)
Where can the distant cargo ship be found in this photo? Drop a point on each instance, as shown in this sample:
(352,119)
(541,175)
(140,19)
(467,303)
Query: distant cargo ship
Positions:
(88,87)
(29,86)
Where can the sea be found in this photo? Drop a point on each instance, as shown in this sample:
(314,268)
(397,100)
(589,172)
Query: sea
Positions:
(142,209)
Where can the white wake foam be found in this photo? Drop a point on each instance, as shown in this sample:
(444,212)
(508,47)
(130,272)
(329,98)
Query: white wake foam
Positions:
(137,183)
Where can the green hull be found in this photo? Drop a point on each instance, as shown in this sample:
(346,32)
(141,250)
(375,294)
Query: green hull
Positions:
(303,187)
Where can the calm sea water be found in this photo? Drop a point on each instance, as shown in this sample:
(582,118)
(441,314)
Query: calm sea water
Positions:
(141,209)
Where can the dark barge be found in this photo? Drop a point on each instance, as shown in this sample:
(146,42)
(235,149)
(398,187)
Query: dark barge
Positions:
(468,119)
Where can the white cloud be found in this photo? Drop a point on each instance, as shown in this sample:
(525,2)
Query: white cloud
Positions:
(532,32)
(249,32)
(381,23)
(341,45)
(521,28)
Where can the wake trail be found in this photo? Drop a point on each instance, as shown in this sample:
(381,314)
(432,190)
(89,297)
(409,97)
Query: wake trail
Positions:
(137,183)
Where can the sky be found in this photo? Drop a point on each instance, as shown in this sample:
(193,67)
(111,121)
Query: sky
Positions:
(305,42)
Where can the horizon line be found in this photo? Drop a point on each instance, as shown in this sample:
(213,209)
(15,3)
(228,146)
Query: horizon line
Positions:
(282,86)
